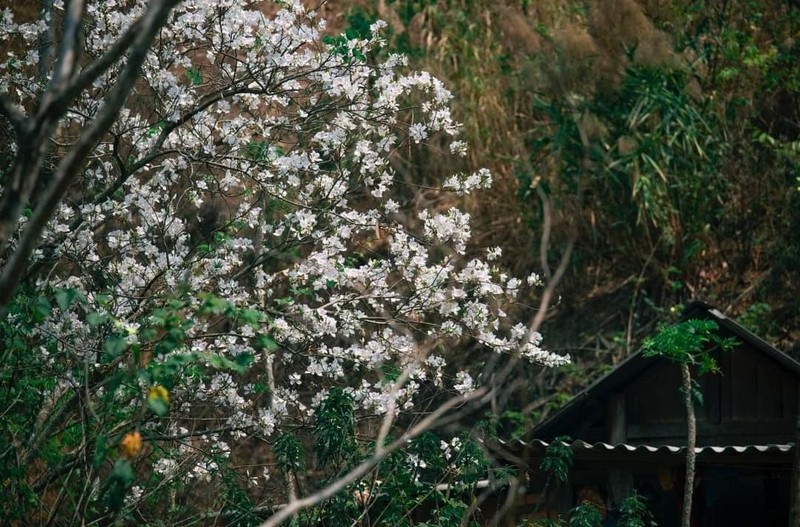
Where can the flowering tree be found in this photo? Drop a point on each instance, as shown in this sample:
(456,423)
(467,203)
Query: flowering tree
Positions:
(210,266)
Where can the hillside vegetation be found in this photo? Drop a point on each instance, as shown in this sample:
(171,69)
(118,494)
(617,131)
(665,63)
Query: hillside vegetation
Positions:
(662,136)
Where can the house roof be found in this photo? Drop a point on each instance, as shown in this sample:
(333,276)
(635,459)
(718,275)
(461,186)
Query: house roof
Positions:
(636,364)
(583,446)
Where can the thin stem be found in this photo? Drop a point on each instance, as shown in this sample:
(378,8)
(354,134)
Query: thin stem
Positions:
(691,441)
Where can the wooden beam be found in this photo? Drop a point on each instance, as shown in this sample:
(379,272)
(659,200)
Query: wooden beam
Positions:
(781,430)
(620,480)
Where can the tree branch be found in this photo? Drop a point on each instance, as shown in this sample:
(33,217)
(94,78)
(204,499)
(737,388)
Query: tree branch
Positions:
(94,70)
(14,115)
(47,40)
(546,228)
(549,290)
(67,57)
(431,420)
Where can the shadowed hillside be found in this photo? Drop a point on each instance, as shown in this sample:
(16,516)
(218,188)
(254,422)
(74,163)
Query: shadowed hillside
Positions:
(663,136)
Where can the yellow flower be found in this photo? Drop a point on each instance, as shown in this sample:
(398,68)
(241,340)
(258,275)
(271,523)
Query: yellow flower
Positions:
(158,392)
(158,399)
(131,444)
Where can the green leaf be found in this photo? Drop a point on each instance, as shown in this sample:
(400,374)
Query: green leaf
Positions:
(251,317)
(113,382)
(265,342)
(215,306)
(334,429)
(40,309)
(121,478)
(685,342)
(728,73)
(390,371)
(243,362)
(558,458)
(65,298)
(195,76)
(585,514)
(165,347)
(155,129)
(697,394)
(289,453)
(146,376)
(103,299)
(634,512)
(136,352)
(97,319)
(160,372)
(148,334)
(114,346)
(218,362)
(99,451)
(123,471)
(158,405)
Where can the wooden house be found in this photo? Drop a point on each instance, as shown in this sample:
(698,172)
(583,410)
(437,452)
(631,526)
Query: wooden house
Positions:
(628,431)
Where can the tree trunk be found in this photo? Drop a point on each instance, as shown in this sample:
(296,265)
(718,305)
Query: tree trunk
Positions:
(691,441)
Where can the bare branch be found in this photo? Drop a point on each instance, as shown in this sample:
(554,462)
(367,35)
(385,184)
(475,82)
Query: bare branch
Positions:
(47,40)
(431,420)
(33,138)
(94,70)
(546,228)
(552,280)
(14,115)
(391,411)
(549,290)
(68,56)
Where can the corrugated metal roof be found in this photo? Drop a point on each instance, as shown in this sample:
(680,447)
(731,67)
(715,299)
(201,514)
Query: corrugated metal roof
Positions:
(583,446)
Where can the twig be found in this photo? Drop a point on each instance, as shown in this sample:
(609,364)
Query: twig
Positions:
(547,226)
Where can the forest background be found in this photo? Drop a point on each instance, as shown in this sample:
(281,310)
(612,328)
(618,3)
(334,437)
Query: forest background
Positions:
(663,136)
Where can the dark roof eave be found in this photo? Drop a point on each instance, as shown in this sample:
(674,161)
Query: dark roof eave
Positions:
(754,340)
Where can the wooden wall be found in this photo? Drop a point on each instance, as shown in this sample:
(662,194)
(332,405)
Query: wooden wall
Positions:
(752,400)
